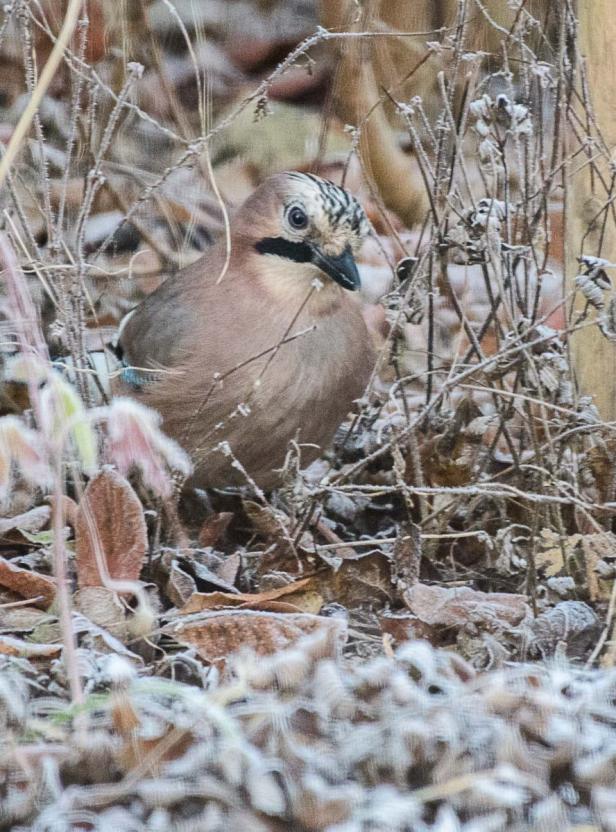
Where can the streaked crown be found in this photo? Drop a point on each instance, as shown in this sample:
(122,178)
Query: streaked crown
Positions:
(334,212)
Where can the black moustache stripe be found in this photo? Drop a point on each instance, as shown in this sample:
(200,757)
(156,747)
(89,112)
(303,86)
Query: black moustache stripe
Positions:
(299,252)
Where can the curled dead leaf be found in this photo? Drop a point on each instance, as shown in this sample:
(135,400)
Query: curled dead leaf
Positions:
(229,568)
(299,596)
(180,586)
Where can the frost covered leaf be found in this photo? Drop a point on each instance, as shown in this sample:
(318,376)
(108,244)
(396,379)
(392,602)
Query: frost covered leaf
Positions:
(593,281)
(110,526)
(180,586)
(267,522)
(30,522)
(298,596)
(403,626)
(492,116)
(217,635)
(103,608)
(28,584)
(359,579)
(16,647)
(607,320)
(571,622)
(459,606)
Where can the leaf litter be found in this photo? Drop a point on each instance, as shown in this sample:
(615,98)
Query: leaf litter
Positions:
(352,654)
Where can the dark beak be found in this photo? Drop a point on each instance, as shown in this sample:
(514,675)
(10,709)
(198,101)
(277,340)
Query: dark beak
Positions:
(342,269)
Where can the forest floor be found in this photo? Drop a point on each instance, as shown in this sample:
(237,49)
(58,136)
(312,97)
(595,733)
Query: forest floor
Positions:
(415,633)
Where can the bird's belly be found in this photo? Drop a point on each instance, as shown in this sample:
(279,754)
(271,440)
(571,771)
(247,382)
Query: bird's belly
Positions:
(240,425)
(257,431)
(257,414)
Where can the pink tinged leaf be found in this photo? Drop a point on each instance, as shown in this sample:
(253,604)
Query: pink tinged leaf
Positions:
(136,440)
(22,447)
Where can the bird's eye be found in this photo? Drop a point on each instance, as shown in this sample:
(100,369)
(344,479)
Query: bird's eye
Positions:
(297,217)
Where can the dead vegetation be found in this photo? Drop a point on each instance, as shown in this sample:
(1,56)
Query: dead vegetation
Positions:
(417,631)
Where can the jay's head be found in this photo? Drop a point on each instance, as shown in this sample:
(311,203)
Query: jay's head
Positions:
(302,225)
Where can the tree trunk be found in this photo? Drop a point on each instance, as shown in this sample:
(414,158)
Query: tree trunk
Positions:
(594,356)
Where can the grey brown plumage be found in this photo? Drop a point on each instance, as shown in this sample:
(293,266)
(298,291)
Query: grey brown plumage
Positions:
(265,354)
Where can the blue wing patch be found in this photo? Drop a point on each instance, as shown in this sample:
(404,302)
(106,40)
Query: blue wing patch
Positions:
(137,379)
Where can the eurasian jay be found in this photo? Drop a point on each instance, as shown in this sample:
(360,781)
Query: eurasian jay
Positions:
(262,344)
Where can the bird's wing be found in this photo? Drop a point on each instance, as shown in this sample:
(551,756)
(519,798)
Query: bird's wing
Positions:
(157,334)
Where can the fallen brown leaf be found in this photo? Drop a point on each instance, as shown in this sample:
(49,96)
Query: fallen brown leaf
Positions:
(403,626)
(180,586)
(359,579)
(41,589)
(229,568)
(69,509)
(109,522)
(26,649)
(31,521)
(214,528)
(458,606)
(217,635)
(298,596)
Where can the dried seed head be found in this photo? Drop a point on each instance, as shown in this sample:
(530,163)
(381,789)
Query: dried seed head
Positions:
(119,671)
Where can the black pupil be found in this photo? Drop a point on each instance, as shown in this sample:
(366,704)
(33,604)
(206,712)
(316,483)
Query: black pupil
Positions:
(298,218)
